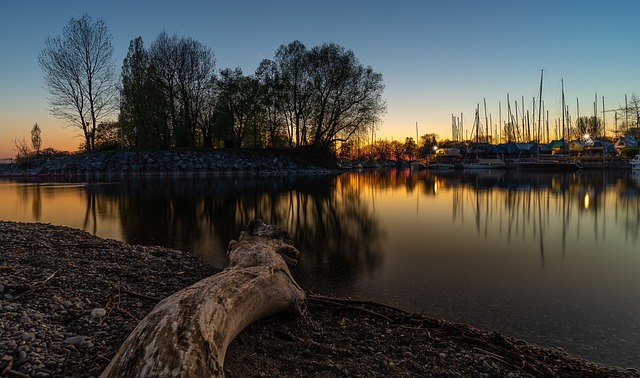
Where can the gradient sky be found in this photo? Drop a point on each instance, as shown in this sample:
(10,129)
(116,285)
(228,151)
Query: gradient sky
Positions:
(437,58)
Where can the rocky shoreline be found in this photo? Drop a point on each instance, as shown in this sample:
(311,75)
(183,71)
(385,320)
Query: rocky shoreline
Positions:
(68,299)
(168,163)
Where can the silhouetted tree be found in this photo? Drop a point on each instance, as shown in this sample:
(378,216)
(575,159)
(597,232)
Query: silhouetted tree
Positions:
(327,96)
(36,139)
(346,95)
(144,108)
(426,144)
(291,63)
(108,136)
(271,90)
(194,73)
(410,148)
(79,74)
(239,107)
(21,147)
(163,62)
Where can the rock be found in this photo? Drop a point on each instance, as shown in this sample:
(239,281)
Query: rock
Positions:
(28,337)
(75,341)
(98,312)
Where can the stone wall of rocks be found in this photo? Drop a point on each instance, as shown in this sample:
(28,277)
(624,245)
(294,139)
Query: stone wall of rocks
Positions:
(168,163)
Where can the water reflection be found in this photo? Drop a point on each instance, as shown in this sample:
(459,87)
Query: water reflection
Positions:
(532,206)
(547,257)
(326,215)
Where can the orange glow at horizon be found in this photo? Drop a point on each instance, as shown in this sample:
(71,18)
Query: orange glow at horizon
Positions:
(54,135)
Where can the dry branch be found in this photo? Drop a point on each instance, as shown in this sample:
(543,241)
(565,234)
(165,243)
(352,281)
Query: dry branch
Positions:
(187,334)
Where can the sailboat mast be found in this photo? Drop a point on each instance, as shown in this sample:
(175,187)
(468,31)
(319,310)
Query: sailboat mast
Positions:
(477,122)
(540,105)
(486,120)
(563,109)
(578,112)
(604,123)
(500,124)
(509,120)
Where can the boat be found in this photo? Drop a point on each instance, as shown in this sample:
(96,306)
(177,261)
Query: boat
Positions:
(635,163)
(445,159)
(441,166)
(549,165)
(485,164)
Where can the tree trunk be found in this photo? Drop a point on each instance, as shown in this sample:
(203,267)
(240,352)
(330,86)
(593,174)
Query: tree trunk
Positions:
(187,333)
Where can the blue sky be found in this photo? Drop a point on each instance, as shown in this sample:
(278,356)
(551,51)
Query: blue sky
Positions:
(437,58)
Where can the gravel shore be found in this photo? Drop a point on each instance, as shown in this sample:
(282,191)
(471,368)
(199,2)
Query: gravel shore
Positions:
(68,299)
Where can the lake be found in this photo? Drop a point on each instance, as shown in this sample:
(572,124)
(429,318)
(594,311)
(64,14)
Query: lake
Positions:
(552,258)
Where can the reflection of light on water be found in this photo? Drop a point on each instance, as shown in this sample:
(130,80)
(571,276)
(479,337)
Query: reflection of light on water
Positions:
(586,200)
(435,187)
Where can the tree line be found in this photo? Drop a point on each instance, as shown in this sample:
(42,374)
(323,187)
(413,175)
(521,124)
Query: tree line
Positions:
(170,94)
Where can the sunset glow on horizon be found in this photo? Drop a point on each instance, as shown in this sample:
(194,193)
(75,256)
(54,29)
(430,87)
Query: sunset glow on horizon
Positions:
(436,59)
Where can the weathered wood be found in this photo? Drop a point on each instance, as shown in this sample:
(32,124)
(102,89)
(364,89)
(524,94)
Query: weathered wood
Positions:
(187,333)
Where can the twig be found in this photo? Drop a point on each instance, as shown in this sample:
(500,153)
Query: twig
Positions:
(127,313)
(39,285)
(352,301)
(7,267)
(103,357)
(345,305)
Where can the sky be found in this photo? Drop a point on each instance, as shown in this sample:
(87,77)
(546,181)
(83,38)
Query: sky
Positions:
(437,58)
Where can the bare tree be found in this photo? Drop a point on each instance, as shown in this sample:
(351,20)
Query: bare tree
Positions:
(21,147)
(79,73)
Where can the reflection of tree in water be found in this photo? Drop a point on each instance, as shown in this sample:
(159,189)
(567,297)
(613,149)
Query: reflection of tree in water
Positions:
(32,193)
(334,228)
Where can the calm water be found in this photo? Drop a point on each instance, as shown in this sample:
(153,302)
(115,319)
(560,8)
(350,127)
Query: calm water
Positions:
(551,258)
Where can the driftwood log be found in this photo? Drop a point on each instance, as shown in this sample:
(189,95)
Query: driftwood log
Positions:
(187,333)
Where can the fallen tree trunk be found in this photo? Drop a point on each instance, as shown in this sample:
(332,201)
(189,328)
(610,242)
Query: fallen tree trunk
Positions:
(187,333)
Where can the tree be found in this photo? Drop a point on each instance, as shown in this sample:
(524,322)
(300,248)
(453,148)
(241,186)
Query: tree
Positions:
(107,136)
(381,150)
(397,149)
(36,139)
(346,96)
(143,105)
(22,147)
(426,144)
(79,74)
(633,111)
(410,147)
(183,69)
(271,93)
(194,73)
(162,55)
(239,107)
(291,62)
(591,126)
(326,95)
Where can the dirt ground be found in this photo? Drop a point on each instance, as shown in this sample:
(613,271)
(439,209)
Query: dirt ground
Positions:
(68,300)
